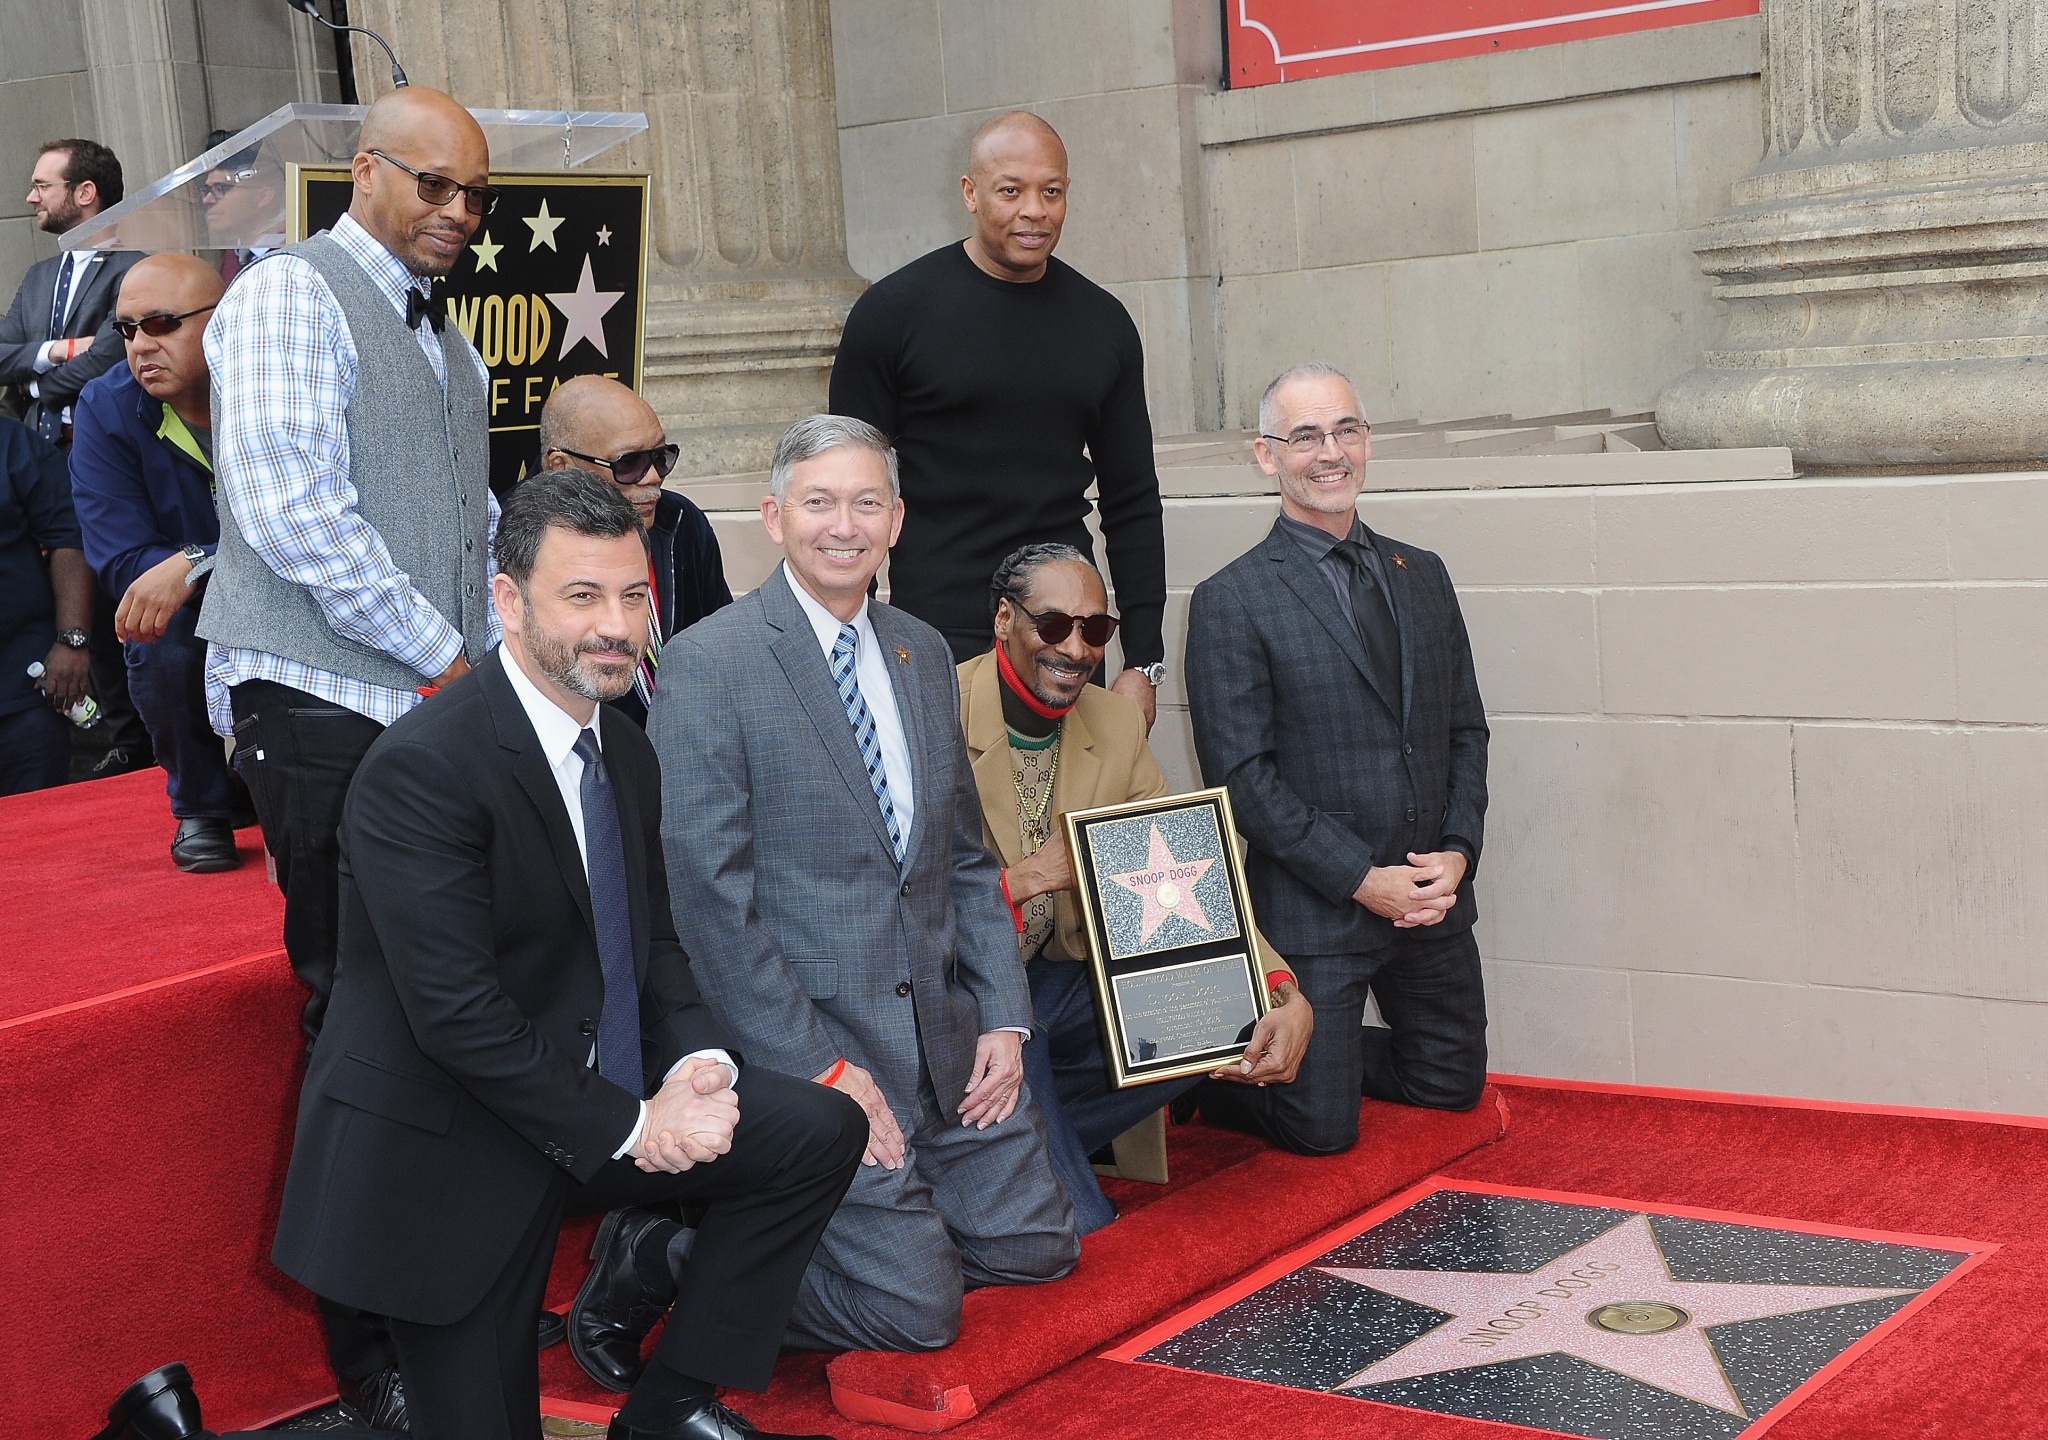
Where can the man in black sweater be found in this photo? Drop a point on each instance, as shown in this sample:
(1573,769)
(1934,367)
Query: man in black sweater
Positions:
(1009,382)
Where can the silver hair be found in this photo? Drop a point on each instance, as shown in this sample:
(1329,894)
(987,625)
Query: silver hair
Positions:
(1307,370)
(813,435)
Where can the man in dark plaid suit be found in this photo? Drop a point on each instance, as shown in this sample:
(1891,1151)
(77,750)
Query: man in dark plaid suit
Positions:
(1331,688)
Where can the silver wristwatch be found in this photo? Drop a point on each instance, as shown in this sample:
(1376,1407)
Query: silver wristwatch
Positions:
(1155,672)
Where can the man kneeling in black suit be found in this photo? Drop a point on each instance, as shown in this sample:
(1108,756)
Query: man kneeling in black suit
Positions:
(509,984)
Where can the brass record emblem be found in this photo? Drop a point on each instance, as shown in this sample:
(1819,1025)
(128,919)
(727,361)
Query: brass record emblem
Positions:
(1638,1317)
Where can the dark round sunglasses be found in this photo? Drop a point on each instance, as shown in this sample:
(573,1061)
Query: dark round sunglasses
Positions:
(438,190)
(1054,626)
(156,324)
(631,468)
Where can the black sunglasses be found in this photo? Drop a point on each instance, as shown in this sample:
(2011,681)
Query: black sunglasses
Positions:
(1054,626)
(631,467)
(156,324)
(438,190)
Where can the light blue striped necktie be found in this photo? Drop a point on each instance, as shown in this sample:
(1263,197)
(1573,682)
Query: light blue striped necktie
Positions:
(863,722)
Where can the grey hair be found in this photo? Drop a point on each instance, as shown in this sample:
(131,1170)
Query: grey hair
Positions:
(813,435)
(1307,370)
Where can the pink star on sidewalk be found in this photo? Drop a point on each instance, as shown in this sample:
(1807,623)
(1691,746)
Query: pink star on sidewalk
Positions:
(1621,1277)
(1167,887)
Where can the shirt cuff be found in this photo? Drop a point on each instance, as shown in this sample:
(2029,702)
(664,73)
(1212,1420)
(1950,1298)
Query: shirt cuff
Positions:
(43,364)
(1020,1031)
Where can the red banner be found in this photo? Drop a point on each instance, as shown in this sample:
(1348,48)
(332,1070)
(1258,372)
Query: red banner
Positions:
(1272,40)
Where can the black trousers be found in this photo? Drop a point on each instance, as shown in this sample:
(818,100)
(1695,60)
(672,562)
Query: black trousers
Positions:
(766,1202)
(1431,1052)
(120,723)
(298,753)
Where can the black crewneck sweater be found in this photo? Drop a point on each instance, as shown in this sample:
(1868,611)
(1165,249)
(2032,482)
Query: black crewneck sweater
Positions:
(992,392)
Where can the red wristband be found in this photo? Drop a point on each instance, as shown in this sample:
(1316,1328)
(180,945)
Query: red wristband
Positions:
(837,1071)
(1276,978)
(1016,912)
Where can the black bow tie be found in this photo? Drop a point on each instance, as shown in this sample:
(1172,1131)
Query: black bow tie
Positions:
(431,307)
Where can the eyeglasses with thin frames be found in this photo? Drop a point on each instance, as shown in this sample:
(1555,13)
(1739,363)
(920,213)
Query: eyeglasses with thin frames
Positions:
(156,324)
(631,468)
(1308,440)
(438,190)
(1054,626)
(218,189)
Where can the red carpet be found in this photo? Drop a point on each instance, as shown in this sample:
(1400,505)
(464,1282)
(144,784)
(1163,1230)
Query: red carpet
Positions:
(1965,1368)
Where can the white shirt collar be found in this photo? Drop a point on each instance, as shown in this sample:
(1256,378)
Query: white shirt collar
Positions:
(824,622)
(556,727)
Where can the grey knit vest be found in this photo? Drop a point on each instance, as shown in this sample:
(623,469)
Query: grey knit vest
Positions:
(419,459)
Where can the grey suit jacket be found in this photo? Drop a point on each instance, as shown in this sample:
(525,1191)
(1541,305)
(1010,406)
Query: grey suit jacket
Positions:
(27,325)
(807,938)
(1328,775)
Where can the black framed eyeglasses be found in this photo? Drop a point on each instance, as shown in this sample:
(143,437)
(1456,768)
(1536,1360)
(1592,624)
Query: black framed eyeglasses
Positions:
(438,190)
(156,324)
(1308,440)
(218,189)
(631,468)
(1054,626)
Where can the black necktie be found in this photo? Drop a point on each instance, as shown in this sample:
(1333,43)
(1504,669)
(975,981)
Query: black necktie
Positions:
(618,1024)
(1374,618)
(431,307)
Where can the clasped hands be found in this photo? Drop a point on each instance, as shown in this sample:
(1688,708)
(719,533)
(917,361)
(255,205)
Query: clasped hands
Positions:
(1418,893)
(690,1120)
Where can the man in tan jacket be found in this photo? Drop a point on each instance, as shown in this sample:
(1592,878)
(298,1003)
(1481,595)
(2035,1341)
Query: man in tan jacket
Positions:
(1043,741)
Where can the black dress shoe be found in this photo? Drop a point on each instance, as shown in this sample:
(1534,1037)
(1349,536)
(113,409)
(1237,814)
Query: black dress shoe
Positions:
(159,1406)
(708,1421)
(203,845)
(378,1400)
(552,1328)
(616,1307)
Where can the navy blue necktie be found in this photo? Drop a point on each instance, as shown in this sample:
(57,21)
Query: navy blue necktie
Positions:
(863,721)
(618,1024)
(50,418)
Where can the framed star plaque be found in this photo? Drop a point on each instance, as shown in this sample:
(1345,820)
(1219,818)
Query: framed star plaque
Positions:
(1172,949)
(552,285)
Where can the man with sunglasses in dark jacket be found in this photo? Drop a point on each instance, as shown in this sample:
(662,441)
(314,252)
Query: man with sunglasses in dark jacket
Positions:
(598,424)
(142,482)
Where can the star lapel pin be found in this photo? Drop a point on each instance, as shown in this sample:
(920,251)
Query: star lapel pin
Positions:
(902,655)
(1401,561)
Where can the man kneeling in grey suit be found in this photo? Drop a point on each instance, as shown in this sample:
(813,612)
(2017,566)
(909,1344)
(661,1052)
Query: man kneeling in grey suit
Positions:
(824,846)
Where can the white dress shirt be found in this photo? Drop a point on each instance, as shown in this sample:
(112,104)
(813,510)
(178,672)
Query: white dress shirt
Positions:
(875,687)
(558,731)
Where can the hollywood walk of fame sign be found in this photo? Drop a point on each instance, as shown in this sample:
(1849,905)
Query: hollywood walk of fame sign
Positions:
(552,285)
(1172,951)
(1580,1315)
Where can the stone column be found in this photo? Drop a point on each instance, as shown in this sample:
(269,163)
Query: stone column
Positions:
(748,282)
(1885,267)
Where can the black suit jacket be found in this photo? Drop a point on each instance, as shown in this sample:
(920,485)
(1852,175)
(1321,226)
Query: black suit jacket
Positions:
(1329,776)
(450,1085)
(27,326)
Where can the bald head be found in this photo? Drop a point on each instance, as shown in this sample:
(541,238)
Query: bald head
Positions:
(180,281)
(408,133)
(1017,134)
(1016,190)
(171,366)
(594,416)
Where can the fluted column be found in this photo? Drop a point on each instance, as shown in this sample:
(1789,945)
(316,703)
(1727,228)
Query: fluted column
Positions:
(748,281)
(1885,267)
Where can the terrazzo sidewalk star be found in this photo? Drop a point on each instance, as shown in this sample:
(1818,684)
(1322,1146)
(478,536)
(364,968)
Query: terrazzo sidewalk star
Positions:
(1580,1315)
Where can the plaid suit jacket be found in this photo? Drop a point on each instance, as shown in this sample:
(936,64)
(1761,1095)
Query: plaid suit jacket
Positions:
(807,938)
(1328,775)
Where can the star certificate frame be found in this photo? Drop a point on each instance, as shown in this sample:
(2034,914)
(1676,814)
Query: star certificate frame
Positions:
(1173,954)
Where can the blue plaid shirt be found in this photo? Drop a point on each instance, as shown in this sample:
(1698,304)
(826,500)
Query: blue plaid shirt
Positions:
(284,369)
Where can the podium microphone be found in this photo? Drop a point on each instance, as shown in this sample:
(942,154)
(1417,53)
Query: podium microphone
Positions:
(312,7)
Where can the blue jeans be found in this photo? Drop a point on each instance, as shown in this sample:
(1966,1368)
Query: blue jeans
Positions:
(167,682)
(1067,1070)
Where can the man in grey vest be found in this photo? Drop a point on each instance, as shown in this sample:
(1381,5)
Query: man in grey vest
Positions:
(356,521)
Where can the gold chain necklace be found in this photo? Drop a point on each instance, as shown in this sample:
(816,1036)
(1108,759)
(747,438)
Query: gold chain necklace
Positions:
(1034,820)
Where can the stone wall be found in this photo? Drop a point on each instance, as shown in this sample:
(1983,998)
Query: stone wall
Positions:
(1507,234)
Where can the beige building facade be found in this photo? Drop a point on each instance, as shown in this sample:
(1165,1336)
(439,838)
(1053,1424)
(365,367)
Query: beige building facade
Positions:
(1770,752)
